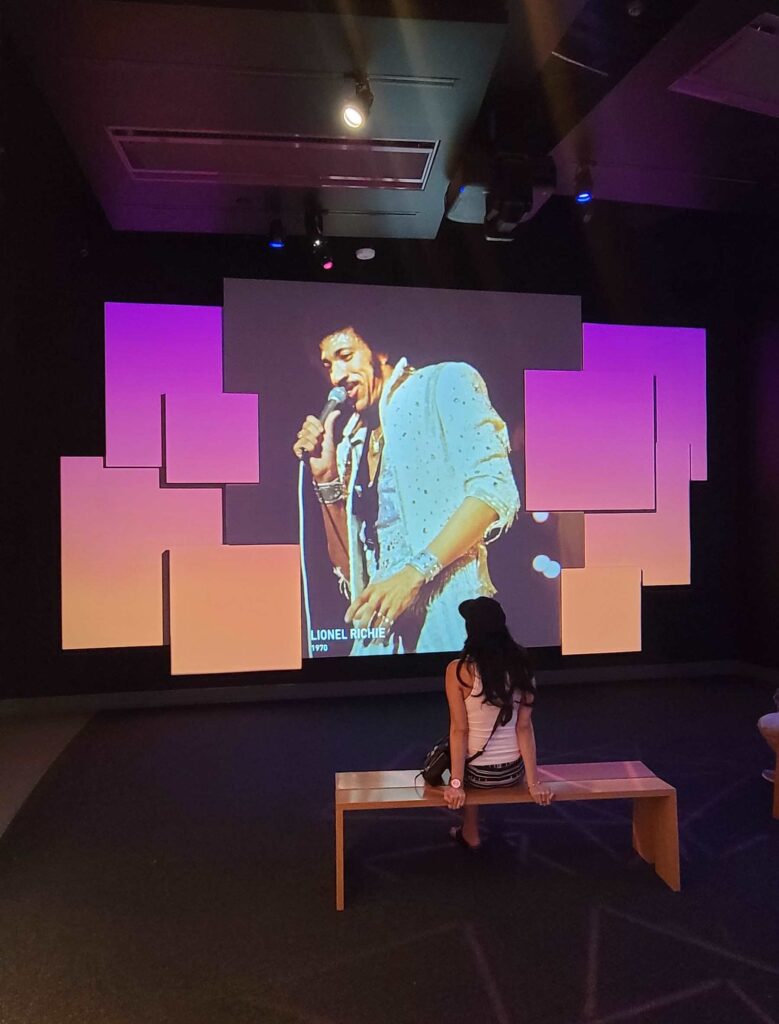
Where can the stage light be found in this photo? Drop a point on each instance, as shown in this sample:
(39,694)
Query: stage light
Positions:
(540,563)
(276,235)
(583,185)
(355,112)
(323,255)
(540,517)
(317,240)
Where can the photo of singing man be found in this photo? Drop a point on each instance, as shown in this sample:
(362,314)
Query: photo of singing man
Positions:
(410,496)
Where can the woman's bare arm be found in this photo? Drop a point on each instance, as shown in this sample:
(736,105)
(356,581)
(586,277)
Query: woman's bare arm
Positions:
(458,733)
(526,740)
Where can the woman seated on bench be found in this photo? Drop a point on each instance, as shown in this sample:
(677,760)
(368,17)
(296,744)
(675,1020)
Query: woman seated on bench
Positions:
(491,691)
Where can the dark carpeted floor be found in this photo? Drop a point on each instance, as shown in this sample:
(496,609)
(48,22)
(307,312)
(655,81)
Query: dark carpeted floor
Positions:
(177,866)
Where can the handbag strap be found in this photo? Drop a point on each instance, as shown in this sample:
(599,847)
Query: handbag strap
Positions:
(492,733)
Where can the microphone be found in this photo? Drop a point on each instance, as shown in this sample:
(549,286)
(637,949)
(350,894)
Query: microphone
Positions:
(336,398)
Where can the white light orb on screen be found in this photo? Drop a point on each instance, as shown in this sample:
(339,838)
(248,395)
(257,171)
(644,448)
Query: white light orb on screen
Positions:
(540,517)
(552,569)
(366,253)
(540,562)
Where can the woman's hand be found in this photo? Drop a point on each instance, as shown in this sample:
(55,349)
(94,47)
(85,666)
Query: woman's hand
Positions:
(454,798)
(541,794)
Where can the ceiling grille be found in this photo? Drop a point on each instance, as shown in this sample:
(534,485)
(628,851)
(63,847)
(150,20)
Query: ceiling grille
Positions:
(283,161)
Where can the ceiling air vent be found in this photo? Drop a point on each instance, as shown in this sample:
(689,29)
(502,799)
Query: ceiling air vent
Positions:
(231,158)
(743,72)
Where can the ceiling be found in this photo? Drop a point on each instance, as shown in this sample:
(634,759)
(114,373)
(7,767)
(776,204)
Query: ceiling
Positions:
(216,118)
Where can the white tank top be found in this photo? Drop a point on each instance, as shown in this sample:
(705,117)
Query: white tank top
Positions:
(503,746)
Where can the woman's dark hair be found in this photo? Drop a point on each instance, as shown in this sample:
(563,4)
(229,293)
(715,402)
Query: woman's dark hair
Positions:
(503,664)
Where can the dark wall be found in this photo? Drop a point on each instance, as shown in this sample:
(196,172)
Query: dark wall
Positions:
(761,547)
(61,262)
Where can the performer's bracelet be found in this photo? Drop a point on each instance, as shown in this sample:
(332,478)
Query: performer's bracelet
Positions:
(329,493)
(426,565)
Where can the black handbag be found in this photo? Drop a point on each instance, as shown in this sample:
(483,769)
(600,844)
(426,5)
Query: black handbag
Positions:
(439,759)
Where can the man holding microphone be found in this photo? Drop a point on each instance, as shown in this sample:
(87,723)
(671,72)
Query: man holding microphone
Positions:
(410,496)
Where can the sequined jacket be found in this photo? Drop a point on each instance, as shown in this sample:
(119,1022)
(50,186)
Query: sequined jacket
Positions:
(445,442)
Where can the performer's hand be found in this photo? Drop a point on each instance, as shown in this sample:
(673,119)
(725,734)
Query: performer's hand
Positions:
(382,603)
(317,439)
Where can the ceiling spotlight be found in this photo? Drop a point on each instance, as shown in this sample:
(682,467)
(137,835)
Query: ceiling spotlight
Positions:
(583,185)
(355,112)
(276,234)
(317,240)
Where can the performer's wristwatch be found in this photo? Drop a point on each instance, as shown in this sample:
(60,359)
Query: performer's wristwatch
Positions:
(455,783)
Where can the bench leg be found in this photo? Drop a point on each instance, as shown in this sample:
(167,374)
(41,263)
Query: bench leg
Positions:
(656,836)
(339,858)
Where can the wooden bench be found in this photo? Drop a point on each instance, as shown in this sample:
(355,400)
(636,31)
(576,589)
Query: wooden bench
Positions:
(655,828)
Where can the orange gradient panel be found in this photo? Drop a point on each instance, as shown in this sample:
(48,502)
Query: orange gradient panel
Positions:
(116,523)
(658,542)
(235,608)
(601,610)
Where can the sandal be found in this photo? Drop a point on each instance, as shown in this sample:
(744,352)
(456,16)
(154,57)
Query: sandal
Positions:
(456,833)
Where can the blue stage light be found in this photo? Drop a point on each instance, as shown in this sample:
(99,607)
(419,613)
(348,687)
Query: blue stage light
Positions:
(276,234)
(582,187)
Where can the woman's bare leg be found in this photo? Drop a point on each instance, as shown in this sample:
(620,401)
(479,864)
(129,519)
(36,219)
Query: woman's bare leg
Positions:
(471,824)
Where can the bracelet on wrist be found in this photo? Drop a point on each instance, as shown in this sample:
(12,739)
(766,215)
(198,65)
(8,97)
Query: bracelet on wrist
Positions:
(329,493)
(427,565)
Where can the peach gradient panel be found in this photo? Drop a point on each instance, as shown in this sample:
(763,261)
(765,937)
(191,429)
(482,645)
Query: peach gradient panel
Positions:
(677,358)
(212,438)
(601,610)
(589,440)
(658,542)
(235,608)
(116,523)
(151,350)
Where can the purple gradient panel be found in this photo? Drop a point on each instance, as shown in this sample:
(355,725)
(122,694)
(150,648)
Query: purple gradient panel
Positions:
(589,441)
(658,542)
(151,350)
(211,439)
(677,358)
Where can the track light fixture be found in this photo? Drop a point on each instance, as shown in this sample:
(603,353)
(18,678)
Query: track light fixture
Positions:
(583,185)
(355,111)
(276,234)
(317,240)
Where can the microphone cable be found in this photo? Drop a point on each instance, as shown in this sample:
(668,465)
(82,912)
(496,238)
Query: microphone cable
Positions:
(302,535)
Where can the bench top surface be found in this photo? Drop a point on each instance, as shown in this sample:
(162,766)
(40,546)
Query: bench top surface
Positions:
(609,780)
